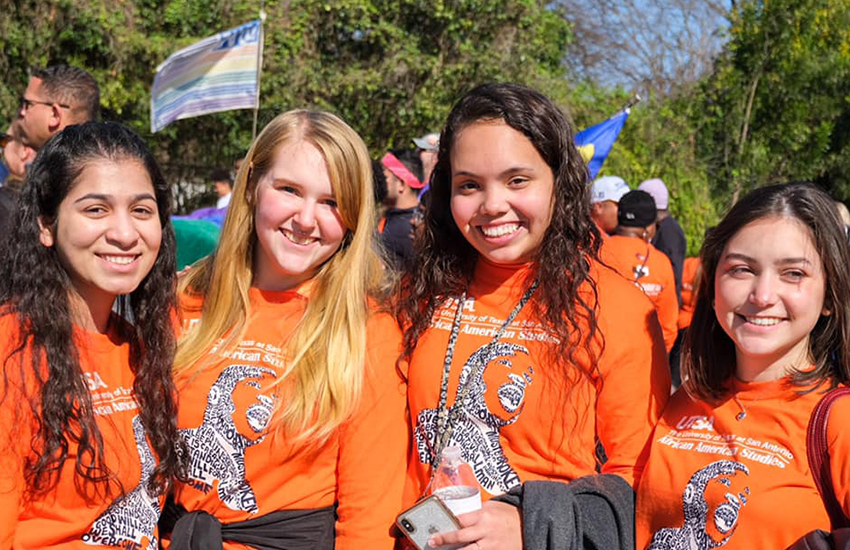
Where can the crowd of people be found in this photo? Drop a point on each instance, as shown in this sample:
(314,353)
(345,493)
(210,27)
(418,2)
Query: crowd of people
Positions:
(297,387)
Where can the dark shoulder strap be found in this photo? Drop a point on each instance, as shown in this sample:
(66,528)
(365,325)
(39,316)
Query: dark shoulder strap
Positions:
(818,454)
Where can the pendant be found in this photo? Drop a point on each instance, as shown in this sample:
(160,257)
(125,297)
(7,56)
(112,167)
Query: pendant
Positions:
(741,415)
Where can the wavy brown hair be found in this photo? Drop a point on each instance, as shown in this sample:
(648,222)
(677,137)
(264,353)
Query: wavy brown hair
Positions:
(445,260)
(708,356)
(35,287)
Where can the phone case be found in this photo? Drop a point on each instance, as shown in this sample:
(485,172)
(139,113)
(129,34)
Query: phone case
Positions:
(425,518)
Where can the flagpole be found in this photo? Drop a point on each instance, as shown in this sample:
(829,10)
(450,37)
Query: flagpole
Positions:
(259,68)
(634,100)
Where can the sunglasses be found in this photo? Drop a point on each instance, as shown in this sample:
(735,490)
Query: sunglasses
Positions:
(4,139)
(27,103)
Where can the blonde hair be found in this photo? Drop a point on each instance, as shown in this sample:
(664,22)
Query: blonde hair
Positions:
(325,355)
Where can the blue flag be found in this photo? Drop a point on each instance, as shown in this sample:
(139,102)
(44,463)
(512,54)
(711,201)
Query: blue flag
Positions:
(595,143)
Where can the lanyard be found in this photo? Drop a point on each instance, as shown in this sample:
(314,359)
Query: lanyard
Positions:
(445,417)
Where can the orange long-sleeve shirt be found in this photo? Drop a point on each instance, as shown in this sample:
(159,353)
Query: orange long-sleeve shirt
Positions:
(650,269)
(521,420)
(241,470)
(63,518)
(716,478)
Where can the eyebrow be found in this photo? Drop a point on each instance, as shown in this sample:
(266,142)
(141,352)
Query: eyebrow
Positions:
(107,198)
(748,259)
(510,171)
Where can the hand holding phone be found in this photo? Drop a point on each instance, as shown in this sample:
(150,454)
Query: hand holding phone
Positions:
(428,517)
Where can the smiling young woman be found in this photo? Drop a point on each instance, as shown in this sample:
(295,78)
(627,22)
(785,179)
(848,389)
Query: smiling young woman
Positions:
(290,401)
(770,334)
(87,411)
(524,350)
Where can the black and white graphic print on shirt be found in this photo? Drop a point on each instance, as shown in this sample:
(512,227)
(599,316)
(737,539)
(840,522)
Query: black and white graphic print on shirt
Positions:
(131,520)
(217,448)
(693,534)
(476,430)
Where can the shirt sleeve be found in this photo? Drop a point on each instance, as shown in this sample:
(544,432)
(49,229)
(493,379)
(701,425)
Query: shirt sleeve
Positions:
(374,446)
(15,435)
(838,438)
(635,383)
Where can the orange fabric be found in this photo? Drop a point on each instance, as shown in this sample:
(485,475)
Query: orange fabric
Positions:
(382,224)
(62,518)
(520,423)
(361,467)
(689,279)
(650,269)
(711,477)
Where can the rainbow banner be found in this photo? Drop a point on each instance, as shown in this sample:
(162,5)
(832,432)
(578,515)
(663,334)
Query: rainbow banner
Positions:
(218,73)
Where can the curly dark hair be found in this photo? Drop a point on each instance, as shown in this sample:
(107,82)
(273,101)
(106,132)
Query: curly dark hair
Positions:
(708,358)
(35,287)
(445,261)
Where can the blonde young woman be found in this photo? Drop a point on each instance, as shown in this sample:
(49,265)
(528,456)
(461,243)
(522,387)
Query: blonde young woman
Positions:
(290,402)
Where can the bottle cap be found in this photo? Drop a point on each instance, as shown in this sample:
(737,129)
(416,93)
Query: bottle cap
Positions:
(451,453)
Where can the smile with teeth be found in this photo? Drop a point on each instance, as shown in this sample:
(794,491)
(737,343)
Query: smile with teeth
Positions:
(763,321)
(499,230)
(297,238)
(120,260)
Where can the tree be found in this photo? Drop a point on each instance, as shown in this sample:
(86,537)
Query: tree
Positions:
(655,47)
(391,69)
(776,106)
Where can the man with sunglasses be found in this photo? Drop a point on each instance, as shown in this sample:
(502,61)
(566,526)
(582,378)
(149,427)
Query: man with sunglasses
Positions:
(55,98)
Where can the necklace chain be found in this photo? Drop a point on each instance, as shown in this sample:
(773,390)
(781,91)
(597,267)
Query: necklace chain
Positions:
(743,412)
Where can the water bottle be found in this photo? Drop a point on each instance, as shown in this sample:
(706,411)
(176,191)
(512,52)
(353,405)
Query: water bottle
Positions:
(455,484)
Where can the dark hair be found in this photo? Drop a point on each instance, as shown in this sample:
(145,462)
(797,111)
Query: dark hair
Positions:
(220,174)
(379,181)
(35,287)
(445,260)
(411,161)
(72,85)
(708,358)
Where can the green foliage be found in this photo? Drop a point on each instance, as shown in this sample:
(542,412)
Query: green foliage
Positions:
(776,107)
(391,69)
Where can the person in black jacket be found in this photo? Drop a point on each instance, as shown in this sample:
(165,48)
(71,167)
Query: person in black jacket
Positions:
(403,173)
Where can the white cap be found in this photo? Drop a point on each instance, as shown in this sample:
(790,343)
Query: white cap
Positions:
(429,142)
(608,188)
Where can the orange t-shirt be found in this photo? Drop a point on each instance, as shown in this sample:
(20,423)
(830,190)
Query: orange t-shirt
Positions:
(689,279)
(519,421)
(640,262)
(240,470)
(716,479)
(62,518)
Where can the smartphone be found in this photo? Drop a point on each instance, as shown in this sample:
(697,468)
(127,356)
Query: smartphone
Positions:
(428,517)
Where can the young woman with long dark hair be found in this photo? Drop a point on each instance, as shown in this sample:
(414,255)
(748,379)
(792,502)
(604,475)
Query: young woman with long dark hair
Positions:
(770,334)
(524,350)
(87,409)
